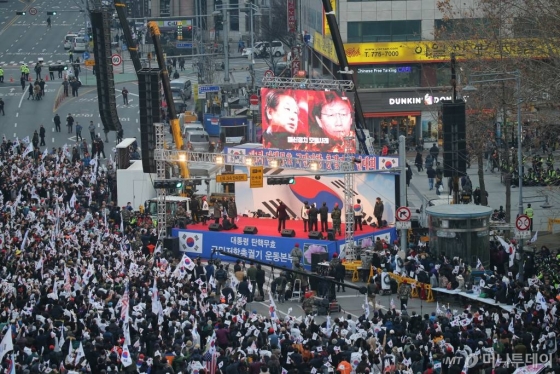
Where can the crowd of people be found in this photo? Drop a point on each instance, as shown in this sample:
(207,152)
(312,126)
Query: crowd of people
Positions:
(87,289)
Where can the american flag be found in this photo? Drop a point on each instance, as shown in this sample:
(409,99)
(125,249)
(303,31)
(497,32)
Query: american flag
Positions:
(124,305)
(210,362)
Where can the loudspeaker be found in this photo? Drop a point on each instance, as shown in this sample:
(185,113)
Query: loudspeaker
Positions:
(454,138)
(172,244)
(250,230)
(101,37)
(316,258)
(148,98)
(215,227)
(331,234)
(315,235)
(288,233)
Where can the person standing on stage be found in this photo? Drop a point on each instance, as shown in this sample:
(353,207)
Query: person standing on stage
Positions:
(336,215)
(378,211)
(313,221)
(282,216)
(324,216)
(305,215)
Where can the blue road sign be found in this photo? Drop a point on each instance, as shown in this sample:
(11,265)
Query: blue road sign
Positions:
(86,55)
(183,45)
(204,88)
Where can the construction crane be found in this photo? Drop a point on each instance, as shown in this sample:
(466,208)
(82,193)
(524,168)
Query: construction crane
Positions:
(133,50)
(131,45)
(165,82)
(345,69)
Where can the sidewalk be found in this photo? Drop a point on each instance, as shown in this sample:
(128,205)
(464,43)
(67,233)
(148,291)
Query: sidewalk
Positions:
(418,193)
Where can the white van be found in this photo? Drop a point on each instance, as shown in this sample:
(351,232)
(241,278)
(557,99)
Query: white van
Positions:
(192,126)
(69,40)
(199,140)
(277,48)
(80,44)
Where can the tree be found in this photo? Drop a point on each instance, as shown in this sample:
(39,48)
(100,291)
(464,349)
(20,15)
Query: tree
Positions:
(273,26)
(500,36)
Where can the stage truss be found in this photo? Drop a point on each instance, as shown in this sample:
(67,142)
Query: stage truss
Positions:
(345,165)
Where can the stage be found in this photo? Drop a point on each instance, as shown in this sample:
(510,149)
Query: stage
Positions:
(269,227)
(267,244)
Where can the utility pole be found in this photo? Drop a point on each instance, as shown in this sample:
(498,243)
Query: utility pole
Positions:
(252,55)
(456,197)
(404,197)
(226,42)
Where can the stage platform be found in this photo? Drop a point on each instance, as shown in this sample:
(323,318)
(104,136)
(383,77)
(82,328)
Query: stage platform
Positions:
(269,227)
(267,244)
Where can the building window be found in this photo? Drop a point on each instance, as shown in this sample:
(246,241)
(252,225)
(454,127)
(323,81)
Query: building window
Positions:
(384,31)
(528,27)
(233,15)
(388,76)
(233,22)
(443,74)
(164,8)
(314,19)
(464,28)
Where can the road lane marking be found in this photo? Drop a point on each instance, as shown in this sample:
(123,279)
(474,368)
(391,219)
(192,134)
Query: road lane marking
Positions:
(21,100)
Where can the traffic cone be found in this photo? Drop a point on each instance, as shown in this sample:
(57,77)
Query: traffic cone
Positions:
(46,78)
(11,79)
(30,79)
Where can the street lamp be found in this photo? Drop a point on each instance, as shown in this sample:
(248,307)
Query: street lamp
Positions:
(510,76)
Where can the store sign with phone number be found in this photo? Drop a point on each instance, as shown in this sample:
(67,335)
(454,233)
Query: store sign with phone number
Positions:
(432,51)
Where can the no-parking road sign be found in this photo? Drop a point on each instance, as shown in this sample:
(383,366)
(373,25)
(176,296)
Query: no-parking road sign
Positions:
(523,223)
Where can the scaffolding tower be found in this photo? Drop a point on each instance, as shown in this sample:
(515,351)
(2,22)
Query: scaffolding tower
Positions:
(161,192)
(348,170)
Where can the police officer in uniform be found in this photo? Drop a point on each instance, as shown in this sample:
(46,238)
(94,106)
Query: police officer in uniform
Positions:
(529,212)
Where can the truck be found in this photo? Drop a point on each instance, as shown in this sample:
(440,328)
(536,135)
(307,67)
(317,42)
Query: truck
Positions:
(233,130)
(134,186)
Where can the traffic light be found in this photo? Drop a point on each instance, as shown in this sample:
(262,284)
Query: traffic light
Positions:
(179,30)
(219,21)
(51,13)
(168,184)
(188,34)
(20,13)
(280,180)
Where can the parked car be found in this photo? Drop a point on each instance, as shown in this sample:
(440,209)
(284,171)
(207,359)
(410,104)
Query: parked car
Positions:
(199,140)
(80,44)
(180,107)
(69,40)
(277,49)
(262,49)
(183,86)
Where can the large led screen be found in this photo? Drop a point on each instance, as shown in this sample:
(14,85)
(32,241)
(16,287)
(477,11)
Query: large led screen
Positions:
(317,121)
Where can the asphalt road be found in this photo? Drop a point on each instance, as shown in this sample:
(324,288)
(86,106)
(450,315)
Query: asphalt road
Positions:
(25,39)
(84,109)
